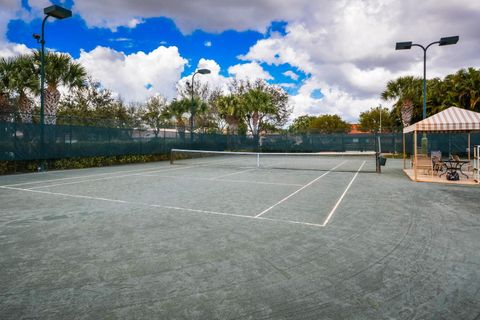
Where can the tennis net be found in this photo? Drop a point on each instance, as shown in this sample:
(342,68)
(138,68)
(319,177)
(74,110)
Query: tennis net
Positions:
(325,161)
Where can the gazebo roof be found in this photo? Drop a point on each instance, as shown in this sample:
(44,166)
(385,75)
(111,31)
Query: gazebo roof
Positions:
(451,119)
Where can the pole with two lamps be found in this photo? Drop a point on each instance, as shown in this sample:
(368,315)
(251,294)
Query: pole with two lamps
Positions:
(408,45)
(58,13)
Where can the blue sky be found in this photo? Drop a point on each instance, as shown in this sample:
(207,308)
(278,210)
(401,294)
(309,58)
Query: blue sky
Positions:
(331,58)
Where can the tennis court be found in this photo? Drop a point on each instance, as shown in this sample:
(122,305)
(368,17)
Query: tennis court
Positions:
(261,239)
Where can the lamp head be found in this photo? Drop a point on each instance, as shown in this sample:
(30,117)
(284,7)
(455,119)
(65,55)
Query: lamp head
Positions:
(448,40)
(57,12)
(203,71)
(403,45)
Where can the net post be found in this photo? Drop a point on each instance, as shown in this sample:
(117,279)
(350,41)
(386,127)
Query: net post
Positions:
(258,160)
(172,156)
(377,162)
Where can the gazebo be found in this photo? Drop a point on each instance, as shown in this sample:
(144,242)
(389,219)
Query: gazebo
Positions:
(451,120)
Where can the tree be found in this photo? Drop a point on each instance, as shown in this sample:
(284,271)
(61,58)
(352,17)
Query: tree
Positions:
(204,112)
(263,105)
(89,105)
(176,111)
(154,114)
(25,82)
(230,110)
(370,120)
(407,93)
(301,124)
(328,124)
(60,70)
(462,89)
(7,67)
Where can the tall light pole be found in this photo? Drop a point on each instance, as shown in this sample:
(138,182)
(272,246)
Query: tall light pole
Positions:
(192,107)
(58,13)
(408,45)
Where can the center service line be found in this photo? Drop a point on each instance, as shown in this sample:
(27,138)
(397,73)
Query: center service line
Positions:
(342,196)
(294,193)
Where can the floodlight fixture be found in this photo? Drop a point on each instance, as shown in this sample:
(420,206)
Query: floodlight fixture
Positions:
(403,45)
(204,71)
(57,12)
(448,40)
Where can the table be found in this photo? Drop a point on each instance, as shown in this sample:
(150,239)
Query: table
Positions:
(454,166)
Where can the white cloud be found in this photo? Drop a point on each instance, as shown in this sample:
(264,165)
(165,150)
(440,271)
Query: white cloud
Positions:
(351,52)
(334,101)
(214,79)
(208,15)
(207,43)
(292,75)
(11,50)
(249,71)
(9,10)
(136,76)
(346,46)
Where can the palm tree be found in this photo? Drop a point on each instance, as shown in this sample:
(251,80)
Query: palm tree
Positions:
(60,70)
(154,113)
(24,81)
(176,111)
(463,89)
(6,71)
(407,91)
(230,110)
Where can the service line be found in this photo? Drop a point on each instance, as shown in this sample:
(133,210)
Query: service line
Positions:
(164,207)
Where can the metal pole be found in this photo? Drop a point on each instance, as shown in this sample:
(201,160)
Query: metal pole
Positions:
(42,96)
(424,83)
(415,154)
(192,109)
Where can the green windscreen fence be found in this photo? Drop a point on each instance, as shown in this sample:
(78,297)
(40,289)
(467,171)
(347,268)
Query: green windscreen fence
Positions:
(21,141)
(447,143)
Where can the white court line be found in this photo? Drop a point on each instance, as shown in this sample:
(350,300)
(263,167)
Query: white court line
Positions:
(342,196)
(77,177)
(294,193)
(222,180)
(165,207)
(146,170)
(231,174)
(105,178)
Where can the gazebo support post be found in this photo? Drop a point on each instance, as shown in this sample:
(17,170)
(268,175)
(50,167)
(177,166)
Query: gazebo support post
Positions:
(469,146)
(415,154)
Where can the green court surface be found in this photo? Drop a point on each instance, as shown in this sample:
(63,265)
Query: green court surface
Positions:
(161,241)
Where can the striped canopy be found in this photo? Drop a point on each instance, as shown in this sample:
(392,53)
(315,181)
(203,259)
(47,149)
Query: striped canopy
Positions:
(451,119)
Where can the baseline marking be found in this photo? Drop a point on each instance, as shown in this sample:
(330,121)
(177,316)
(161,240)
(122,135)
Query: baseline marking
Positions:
(342,196)
(165,207)
(294,193)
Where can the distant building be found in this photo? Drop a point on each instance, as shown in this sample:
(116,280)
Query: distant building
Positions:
(354,129)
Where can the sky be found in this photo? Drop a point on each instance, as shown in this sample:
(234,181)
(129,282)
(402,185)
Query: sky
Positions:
(331,57)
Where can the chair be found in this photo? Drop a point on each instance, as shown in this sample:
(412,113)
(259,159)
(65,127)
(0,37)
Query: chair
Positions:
(468,166)
(424,163)
(437,162)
